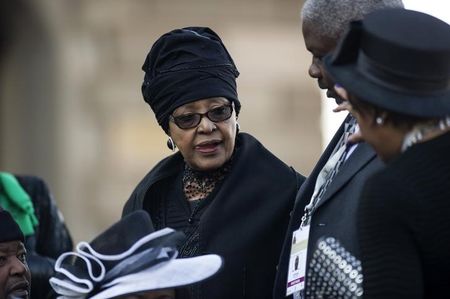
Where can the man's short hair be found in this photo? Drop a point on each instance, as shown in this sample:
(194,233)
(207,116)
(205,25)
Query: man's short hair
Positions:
(331,17)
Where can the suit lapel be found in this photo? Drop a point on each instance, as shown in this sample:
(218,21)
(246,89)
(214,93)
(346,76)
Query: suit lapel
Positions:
(306,190)
(362,155)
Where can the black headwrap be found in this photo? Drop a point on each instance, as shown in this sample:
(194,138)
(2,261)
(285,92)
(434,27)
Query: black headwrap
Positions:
(9,229)
(186,65)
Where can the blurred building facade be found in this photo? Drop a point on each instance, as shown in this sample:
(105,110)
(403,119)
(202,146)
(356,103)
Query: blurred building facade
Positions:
(70,104)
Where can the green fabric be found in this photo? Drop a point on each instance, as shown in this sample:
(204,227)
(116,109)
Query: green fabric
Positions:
(16,201)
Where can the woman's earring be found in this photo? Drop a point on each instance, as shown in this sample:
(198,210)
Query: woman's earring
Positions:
(379,120)
(238,127)
(170,144)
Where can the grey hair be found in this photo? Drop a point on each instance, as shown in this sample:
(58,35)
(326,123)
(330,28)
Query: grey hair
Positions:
(331,17)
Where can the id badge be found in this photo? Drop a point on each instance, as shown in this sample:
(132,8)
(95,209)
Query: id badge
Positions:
(297,261)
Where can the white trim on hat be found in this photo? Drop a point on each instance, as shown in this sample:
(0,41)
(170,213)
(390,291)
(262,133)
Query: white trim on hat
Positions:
(82,245)
(172,274)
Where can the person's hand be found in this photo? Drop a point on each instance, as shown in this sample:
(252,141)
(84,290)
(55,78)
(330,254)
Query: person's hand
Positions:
(355,138)
(346,106)
(342,93)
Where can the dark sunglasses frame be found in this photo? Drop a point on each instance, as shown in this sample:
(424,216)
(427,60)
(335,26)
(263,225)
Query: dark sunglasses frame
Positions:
(176,119)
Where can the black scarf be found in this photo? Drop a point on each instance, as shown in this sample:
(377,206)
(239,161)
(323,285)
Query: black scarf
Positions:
(246,221)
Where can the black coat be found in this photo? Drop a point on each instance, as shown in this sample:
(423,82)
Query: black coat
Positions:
(335,215)
(245,222)
(404,225)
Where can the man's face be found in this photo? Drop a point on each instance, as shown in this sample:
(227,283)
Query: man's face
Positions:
(319,46)
(15,276)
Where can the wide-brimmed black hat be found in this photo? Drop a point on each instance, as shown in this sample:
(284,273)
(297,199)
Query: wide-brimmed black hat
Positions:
(129,257)
(398,60)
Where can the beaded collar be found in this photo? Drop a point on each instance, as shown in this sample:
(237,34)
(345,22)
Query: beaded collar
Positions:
(198,185)
(419,132)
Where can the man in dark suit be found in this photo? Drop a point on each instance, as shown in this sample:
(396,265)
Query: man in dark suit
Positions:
(328,199)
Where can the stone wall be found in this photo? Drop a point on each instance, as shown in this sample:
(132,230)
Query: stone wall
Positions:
(71,108)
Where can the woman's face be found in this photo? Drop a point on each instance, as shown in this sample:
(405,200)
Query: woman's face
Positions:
(385,138)
(210,144)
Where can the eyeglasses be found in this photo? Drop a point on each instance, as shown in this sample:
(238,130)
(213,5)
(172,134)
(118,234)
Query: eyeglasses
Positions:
(191,120)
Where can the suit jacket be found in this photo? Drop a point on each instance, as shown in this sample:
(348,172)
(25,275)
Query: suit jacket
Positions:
(335,214)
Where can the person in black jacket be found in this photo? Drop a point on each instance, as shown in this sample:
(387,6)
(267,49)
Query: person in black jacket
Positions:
(223,189)
(400,96)
(49,236)
(326,203)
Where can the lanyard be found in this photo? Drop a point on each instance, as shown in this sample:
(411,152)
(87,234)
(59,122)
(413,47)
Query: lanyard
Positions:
(329,171)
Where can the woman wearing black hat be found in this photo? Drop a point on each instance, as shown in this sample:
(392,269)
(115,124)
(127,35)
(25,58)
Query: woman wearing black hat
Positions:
(394,67)
(223,189)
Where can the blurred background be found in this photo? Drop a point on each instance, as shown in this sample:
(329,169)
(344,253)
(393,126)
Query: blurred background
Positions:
(71,110)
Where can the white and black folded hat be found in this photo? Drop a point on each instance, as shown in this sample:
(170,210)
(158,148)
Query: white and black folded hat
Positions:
(129,257)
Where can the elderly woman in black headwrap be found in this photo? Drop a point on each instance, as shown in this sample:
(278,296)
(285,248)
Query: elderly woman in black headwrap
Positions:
(394,68)
(223,189)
